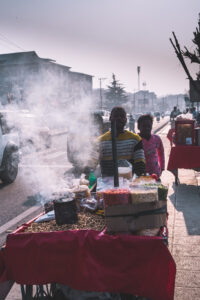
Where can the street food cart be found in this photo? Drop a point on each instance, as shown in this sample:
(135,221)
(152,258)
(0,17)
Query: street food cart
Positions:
(128,255)
(90,260)
(185,150)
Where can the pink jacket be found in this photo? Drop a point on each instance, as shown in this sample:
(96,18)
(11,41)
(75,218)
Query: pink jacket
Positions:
(154,154)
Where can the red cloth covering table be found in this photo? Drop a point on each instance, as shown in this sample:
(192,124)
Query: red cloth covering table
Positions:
(90,260)
(184,157)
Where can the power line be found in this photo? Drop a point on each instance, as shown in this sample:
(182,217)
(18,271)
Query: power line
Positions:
(9,41)
(5,45)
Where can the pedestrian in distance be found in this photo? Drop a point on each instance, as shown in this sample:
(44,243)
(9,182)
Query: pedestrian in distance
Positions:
(131,123)
(152,145)
(175,112)
(194,113)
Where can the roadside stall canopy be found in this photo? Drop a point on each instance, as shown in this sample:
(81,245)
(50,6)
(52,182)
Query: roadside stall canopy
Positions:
(89,260)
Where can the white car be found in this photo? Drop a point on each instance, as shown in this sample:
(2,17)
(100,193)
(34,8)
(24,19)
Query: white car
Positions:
(32,131)
(167,113)
(9,151)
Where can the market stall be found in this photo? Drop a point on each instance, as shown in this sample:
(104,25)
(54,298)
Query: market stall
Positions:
(185,150)
(113,241)
(98,260)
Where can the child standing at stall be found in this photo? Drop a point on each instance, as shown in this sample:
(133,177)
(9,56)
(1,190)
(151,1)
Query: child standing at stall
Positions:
(152,145)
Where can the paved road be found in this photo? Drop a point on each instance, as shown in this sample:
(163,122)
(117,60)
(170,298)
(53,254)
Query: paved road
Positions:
(37,172)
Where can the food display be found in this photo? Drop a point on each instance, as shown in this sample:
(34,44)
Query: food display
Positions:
(162,192)
(86,220)
(136,210)
(141,195)
(128,209)
(81,191)
(141,180)
(116,196)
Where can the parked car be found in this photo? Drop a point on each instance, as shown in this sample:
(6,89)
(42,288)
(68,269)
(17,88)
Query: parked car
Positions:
(30,128)
(9,151)
(167,113)
(32,131)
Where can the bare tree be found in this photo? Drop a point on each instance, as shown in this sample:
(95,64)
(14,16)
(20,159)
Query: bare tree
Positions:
(193,56)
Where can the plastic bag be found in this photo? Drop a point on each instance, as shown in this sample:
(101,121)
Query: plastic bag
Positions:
(90,204)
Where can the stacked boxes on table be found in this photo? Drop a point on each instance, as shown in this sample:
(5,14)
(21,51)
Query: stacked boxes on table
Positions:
(136,209)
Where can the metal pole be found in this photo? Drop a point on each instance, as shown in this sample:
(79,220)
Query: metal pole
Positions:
(133,103)
(138,70)
(100,90)
(199,57)
(100,94)
(114,153)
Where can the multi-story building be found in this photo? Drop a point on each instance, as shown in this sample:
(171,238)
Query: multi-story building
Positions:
(27,78)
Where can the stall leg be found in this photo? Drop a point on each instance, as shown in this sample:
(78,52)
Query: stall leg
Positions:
(42,292)
(175,172)
(176,177)
(27,292)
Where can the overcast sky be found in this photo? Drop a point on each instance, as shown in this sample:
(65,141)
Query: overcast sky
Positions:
(101,37)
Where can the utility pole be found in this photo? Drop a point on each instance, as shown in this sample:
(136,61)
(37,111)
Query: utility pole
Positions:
(100,90)
(133,102)
(138,71)
(144,94)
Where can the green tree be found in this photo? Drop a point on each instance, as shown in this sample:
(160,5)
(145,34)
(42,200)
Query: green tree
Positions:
(116,93)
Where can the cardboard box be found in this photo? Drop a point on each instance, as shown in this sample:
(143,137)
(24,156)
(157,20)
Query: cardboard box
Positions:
(133,217)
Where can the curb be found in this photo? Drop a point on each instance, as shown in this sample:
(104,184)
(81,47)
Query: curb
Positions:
(65,131)
(160,127)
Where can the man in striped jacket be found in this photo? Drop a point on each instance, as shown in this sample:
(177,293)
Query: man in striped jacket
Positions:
(129,146)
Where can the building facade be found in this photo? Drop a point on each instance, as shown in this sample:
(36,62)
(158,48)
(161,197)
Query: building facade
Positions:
(27,78)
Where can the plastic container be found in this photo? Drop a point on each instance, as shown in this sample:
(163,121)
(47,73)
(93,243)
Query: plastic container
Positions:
(141,194)
(124,169)
(116,197)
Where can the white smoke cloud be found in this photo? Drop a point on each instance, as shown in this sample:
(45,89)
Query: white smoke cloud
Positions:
(50,106)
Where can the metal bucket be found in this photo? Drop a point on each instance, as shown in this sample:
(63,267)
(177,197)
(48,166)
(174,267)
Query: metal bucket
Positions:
(65,211)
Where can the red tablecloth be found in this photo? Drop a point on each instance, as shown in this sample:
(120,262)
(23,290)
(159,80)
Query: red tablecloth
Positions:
(89,260)
(184,157)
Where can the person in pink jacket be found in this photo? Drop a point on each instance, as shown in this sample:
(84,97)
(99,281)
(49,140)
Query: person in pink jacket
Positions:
(152,145)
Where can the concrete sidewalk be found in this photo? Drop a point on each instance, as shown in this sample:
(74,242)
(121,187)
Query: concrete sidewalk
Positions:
(184,229)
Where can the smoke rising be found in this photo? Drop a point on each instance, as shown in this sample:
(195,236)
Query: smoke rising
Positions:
(47,105)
